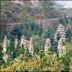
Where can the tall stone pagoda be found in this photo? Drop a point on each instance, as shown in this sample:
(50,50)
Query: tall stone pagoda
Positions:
(5,45)
(60,32)
(31,48)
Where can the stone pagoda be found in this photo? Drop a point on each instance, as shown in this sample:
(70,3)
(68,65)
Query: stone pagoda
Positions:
(23,42)
(60,32)
(31,48)
(5,45)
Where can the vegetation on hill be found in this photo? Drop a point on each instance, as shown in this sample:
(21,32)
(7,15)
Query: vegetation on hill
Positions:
(43,62)
(19,58)
(19,13)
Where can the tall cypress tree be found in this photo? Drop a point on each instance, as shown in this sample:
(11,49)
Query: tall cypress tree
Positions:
(1,55)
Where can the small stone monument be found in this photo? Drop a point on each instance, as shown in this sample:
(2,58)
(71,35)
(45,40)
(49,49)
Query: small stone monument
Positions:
(56,36)
(71,39)
(16,43)
(47,44)
(23,42)
(5,44)
(5,57)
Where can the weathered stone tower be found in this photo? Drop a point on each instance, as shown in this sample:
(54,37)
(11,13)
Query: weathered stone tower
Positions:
(60,32)
(5,45)
(31,48)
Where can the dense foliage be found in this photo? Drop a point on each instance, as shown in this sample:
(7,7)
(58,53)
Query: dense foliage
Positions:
(19,58)
(42,62)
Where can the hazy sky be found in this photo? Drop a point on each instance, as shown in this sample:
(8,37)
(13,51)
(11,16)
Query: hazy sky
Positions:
(66,3)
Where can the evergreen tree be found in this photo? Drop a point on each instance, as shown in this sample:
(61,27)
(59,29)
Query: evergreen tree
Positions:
(10,49)
(64,20)
(69,35)
(1,55)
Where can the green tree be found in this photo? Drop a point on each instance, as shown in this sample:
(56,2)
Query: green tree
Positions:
(49,32)
(10,49)
(69,34)
(38,44)
(1,55)
(31,28)
(16,32)
(64,20)
(66,59)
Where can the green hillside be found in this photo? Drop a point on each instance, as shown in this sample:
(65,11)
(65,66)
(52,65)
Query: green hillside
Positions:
(14,12)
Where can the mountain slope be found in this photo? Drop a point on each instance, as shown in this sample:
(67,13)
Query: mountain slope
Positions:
(12,11)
